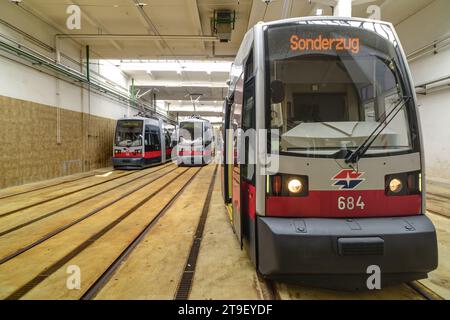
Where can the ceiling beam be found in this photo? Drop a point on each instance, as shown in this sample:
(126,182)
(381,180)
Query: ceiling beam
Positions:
(95,24)
(192,7)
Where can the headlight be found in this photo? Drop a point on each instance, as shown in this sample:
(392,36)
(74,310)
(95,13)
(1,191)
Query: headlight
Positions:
(295,186)
(395,185)
(403,184)
(287,185)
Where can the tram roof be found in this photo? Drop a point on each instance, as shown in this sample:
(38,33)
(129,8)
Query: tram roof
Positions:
(321,18)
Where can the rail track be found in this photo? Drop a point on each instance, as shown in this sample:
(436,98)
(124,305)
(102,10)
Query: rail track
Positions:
(57,183)
(141,191)
(59,196)
(73,204)
(160,180)
(185,284)
(423,291)
(82,218)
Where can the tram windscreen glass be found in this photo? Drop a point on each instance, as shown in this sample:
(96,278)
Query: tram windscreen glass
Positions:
(191,132)
(129,133)
(339,80)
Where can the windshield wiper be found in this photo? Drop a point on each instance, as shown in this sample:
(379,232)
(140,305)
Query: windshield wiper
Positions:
(362,149)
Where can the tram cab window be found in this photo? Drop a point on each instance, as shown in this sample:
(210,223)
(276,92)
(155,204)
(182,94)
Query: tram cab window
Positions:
(191,132)
(129,133)
(335,96)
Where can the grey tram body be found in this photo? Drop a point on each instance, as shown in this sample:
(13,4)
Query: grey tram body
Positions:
(326,252)
(147,153)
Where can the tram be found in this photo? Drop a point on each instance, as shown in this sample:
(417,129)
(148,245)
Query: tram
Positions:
(141,142)
(323,168)
(194,141)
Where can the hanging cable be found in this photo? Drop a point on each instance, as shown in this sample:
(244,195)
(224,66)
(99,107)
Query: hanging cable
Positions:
(265,9)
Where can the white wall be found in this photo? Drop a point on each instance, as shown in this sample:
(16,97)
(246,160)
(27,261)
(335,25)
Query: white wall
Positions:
(417,31)
(21,81)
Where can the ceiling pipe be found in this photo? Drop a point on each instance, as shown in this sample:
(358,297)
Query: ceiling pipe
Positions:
(137,37)
(151,28)
(39,61)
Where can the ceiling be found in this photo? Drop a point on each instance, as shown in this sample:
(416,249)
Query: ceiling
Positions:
(140,30)
(185,18)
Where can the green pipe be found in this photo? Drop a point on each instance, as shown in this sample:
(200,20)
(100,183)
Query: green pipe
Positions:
(88,67)
(71,74)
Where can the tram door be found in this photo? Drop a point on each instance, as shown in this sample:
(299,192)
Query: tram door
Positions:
(243,180)
(235,119)
(248,168)
(226,172)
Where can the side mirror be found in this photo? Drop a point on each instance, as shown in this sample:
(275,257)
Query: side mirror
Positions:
(277,91)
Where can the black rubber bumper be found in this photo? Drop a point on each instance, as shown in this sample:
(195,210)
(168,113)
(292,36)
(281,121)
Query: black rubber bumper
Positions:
(129,163)
(336,253)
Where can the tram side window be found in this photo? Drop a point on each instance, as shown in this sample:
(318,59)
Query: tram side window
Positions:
(147,138)
(207,134)
(155,141)
(152,140)
(167,137)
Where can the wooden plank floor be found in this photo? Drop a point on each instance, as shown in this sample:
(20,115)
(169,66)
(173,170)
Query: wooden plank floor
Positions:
(163,252)
(223,270)
(130,233)
(36,248)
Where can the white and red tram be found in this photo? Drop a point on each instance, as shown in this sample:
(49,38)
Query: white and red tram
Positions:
(336,183)
(141,142)
(195,137)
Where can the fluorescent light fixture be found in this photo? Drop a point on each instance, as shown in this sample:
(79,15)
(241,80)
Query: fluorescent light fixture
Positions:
(170,65)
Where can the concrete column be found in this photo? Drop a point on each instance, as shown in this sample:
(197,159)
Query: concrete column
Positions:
(343,8)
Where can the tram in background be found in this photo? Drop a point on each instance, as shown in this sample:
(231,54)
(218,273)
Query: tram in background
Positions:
(195,137)
(337,185)
(140,142)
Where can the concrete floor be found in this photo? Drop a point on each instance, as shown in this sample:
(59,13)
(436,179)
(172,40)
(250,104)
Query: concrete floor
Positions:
(82,220)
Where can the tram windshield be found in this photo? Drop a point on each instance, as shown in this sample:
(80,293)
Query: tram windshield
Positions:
(129,133)
(332,85)
(191,132)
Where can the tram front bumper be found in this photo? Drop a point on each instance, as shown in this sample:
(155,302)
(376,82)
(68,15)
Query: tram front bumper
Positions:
(337,253)
(128,163)
(192,160)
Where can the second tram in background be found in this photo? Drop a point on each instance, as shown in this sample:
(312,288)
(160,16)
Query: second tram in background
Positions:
(335,191)
(140,142)
(195,142)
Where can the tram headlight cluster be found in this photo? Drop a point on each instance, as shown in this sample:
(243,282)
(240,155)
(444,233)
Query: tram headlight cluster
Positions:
(283,185)
(403,184)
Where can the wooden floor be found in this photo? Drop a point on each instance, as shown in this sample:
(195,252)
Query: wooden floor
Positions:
(130,234)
